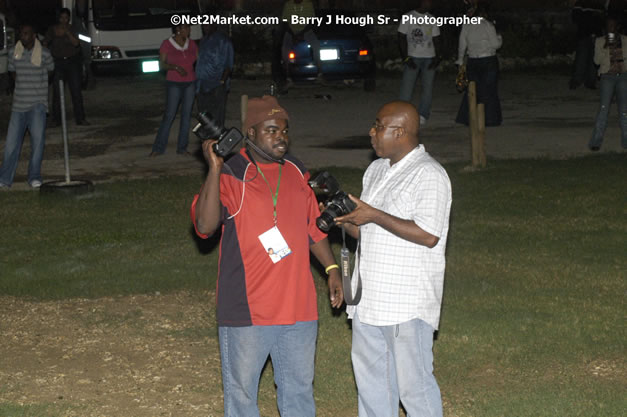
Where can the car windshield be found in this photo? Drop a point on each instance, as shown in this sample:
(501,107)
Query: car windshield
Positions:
(139,14)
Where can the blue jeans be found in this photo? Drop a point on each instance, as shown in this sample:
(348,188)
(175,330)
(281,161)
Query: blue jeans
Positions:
(35,121)
(611,84)
(393,363)
(408,84)
(177,93)
(244,351)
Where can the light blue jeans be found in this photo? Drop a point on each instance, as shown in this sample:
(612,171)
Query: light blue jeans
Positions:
(408,84)
(611,84)
(393,363)
(244,351)
(35,121)
(182,93)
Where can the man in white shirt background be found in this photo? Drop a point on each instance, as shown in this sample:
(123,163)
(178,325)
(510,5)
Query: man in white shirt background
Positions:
(401,222)
(419,44)
(481,42)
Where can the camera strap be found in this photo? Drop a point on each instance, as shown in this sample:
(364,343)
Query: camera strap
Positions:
(275,195)
(262,152)
(345,262)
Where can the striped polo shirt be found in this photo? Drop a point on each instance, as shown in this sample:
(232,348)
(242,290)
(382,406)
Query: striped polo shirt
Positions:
(31,82)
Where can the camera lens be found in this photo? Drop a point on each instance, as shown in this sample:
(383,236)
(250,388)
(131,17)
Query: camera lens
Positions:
(210,128)
(325,221)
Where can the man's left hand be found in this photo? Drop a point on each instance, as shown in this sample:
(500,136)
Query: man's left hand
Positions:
(363,214)
(336,294)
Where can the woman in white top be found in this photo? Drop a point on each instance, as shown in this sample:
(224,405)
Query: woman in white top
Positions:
(480,42)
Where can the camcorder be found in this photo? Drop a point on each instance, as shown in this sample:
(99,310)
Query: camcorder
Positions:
(337,202)
(227,139)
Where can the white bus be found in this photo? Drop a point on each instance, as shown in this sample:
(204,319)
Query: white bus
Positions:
(128,31)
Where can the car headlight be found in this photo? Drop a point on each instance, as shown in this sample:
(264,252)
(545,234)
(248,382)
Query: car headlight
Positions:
(105,52)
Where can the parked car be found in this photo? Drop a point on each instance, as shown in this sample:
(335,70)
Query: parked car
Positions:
(7,40)
(346,53)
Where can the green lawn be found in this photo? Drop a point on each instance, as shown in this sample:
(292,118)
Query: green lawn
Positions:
(11,410)
(533,321)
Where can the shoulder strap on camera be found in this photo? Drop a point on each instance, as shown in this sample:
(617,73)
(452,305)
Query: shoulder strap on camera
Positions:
(346,273)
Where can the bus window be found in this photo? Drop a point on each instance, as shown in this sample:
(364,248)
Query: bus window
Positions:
(139,14)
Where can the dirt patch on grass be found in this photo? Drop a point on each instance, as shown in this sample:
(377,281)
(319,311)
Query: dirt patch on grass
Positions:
(608,368)
(129,356)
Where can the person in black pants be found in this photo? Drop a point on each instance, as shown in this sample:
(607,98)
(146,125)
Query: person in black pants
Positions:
(588,16)
(480,42)
(68,64)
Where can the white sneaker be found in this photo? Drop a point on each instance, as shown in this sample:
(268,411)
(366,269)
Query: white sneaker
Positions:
(35,184)
(4,187)
(423,121)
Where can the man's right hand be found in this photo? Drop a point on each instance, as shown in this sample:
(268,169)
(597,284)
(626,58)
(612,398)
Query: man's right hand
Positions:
(211,157)
(410,63)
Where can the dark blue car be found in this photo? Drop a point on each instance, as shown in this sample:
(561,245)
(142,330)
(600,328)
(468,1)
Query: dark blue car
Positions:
(345,53)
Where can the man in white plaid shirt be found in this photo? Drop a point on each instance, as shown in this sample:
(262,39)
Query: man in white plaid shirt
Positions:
(401,222)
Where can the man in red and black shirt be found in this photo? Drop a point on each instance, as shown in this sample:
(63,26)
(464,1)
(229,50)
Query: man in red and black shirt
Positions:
(266,295)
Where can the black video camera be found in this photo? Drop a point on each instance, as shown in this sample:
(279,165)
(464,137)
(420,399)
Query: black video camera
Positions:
(228,139)
(337,203)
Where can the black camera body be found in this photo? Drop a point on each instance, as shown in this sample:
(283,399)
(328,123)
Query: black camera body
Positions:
(337,203)
(227,139)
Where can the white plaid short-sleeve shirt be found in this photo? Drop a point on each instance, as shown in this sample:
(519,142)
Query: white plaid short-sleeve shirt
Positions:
(402,280)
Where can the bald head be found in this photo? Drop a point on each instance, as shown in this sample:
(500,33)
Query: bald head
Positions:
(395,131)
(403,114)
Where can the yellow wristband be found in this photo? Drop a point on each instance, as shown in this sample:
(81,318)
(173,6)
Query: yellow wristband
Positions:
(330,267)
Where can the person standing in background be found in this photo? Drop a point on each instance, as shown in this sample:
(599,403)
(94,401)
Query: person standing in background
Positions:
(177,56)
(213,73)
(610,54)
(64,46)
(419,44)
(588,16)
(480,42)
(30,65)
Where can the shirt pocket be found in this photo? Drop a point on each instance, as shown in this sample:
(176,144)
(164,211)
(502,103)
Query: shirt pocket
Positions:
(400,204)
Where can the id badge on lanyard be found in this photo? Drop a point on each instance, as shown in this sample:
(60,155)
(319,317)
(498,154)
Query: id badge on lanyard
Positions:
(272,240)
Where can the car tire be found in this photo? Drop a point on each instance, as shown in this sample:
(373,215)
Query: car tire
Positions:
(370,84)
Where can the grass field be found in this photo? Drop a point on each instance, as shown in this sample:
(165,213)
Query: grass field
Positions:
(533,321)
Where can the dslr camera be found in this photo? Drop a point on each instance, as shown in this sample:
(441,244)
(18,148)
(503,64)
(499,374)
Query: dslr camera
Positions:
(337,203)
(228,139)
